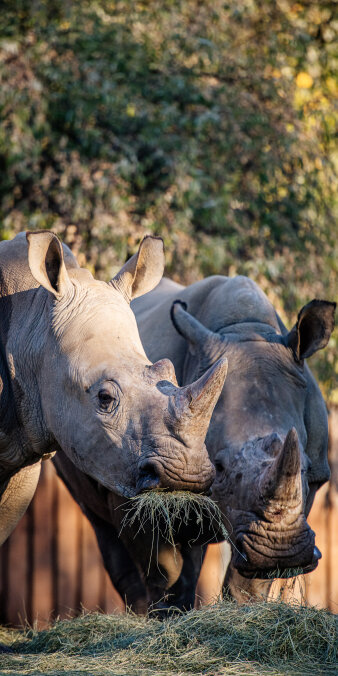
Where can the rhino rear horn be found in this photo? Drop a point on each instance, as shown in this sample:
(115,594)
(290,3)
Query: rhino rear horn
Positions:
(206,345)
(282,480)
(195,403)
(143,271)
(164,370)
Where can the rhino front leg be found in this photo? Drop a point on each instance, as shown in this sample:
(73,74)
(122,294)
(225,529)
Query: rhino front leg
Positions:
(118,564)
(245,590)
(180,569)
(182,593)
(16,497)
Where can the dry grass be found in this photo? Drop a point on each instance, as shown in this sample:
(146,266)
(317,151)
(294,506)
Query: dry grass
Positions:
(164,512)
(273,639)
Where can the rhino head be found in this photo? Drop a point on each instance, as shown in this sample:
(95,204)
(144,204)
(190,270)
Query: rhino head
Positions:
(268,420)
(121,419)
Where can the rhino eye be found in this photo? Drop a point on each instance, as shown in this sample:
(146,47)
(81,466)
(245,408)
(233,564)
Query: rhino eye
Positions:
(107,401)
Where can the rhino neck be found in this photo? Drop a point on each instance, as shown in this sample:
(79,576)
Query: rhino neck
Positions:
(15,449)
(19,396)
(23,436)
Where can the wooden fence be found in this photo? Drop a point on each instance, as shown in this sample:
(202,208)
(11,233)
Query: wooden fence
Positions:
(51,565)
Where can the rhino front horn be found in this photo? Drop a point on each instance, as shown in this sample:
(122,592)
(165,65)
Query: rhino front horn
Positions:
(197,401)
(282,480)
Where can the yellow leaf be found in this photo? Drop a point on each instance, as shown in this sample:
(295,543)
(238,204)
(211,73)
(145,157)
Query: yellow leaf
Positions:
(296,8)
(334,397)
(331,84)
(131,110)
(304,80)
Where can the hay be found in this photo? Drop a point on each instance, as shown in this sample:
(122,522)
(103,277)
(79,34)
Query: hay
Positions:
(274,638)
(277,573)
(164,512)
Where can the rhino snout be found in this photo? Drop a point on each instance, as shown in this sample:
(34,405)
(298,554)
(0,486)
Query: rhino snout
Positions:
(154,473)
(266,555)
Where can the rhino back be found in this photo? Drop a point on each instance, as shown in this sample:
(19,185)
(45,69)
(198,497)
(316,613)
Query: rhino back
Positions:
(216,301)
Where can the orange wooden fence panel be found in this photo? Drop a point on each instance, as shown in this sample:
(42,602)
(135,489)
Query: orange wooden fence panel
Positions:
(51,565)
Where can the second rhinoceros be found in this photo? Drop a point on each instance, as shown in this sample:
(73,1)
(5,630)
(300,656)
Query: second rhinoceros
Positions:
(74,376)
(268,435)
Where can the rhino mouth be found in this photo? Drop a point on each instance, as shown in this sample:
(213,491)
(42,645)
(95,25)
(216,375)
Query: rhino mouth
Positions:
(258,559)
(282,573)
(156,473)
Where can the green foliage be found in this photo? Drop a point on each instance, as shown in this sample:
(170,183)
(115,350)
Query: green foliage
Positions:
(209,123)
(272,639)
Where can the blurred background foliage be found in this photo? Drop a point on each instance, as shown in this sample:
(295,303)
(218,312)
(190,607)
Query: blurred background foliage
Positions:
(208,122)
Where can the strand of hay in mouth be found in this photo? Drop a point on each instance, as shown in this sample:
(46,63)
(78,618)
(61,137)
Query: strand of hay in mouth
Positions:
(286,573)
(277,573)
(272,639)
(164,511)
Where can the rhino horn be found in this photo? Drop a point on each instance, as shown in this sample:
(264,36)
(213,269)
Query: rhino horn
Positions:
(164,370)
(195,403)
(203,343)
(282,480)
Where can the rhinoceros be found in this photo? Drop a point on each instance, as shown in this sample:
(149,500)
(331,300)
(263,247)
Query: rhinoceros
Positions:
(268,434)
(75,379)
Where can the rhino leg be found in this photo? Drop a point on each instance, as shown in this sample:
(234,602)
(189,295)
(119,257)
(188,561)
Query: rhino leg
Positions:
(16,498)
(245,590)
(182,593)
(180,596)
(118,564)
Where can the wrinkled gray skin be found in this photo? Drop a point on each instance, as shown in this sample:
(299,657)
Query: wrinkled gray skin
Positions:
(74,376)
(268,434)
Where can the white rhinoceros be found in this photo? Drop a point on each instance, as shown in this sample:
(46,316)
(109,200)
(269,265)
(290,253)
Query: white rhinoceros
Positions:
(74,376)
(268,434)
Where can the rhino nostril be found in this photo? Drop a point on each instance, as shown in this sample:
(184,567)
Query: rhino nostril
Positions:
(219,467)
(148,478)
(316,554)
(272,444)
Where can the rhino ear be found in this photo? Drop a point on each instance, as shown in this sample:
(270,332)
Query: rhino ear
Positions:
(46,263)
(313,329)
(143,271)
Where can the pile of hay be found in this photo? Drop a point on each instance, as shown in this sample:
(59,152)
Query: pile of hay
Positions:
(163,512)
(223,640)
